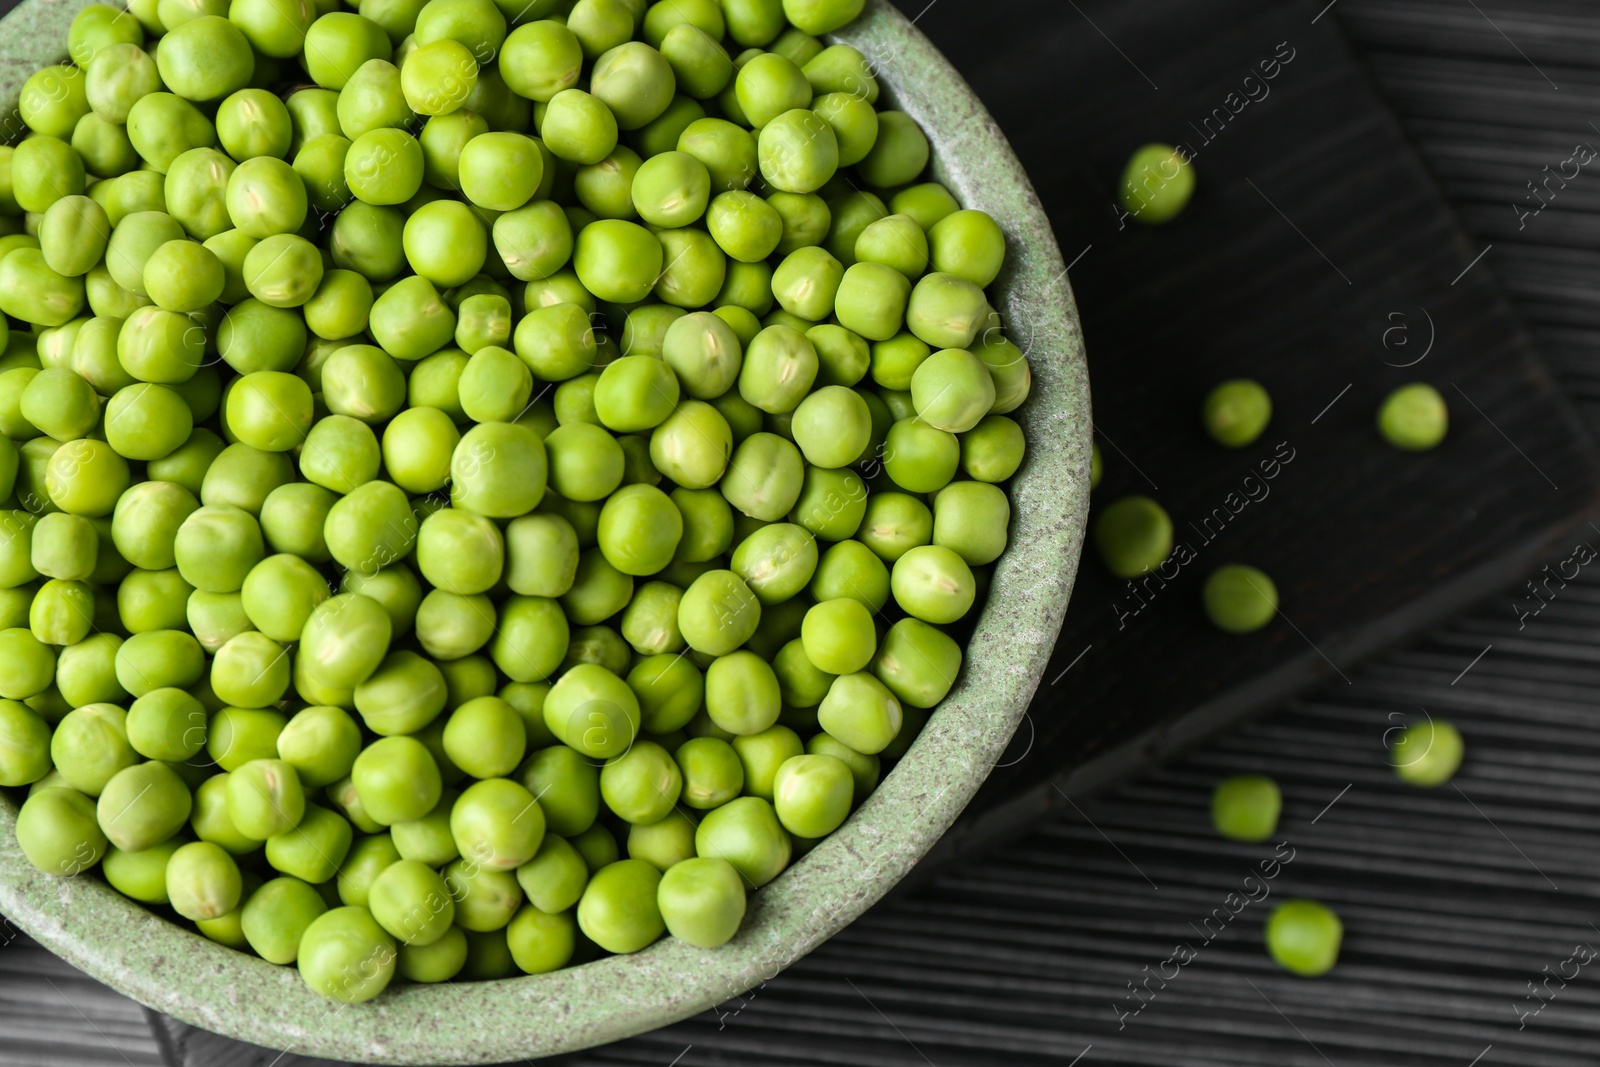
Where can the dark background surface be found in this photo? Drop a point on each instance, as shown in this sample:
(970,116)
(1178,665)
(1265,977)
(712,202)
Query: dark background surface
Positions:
(1453,899)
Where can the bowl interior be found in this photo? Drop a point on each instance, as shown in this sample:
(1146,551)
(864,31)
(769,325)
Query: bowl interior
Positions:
(218,989)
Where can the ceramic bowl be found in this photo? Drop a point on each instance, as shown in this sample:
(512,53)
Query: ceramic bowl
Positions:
(180,973)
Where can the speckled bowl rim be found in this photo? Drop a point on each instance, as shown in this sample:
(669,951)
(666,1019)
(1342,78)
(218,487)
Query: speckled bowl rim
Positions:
(218,989)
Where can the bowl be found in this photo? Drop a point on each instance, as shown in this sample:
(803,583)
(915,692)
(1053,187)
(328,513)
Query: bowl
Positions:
(182,974)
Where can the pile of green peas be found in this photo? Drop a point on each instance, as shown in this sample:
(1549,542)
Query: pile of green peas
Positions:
(488,483)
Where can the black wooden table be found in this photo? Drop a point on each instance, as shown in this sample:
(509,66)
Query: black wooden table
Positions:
(1459,903)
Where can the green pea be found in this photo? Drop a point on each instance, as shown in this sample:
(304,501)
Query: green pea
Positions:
(411,902)
(554,879)
(920,458)
(117,77)
(499,470)
(1246,807)
(344,640)
(396,779)
(485,737)
(275,918)
(917,662)
(366,238)
(73,235)
(746,833)
(1157,184)
(568,787)
(203,881)
(205,59)
(24,745)
(31,291)
(578,127)
(320,743)
(53,100)
(57,831)
(1303,937)
(445,243)
(384,166)
(438,962)
(618,910)
(344,954)
(1134,536)
(265,798)
(1413,418)
(485,900)
(765,477)
(812,794)
(1427,753)
(971,518)
(993,450)
(541,59)
(141,875)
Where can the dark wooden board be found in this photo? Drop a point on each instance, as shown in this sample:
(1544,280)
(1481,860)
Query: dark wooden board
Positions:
(1317,257)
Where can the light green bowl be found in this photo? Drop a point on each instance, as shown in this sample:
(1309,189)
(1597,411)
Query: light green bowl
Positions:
(218,989)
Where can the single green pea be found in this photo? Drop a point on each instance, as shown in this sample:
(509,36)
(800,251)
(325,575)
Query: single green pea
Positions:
(917,662)
(1413,418)
(895,523)
(993,450)
(776,561)
(265,798)
(598,590)
(1239,599)
(554,879)
(141,875)
(344,954)
(702,901)
(765,477)
(670,690)
(438,76)
(933,583)
(742,694)
(861,712)
(57,831)
(320,743)
(485,900)
(438,962)
(1303,937)
(31,291)
(802,683)
(1157,184)
(971,518)
(117,77)
(1427,753)
(779,367)
(578,127)
(216,546)
(203,881)
(183,276)
(1245,807)
(411,902)
(712,772)
(541,59)
(73,235)
(593,710)
(275,918)
(1236,412)
(1134,536)
(746,833)
(812,794)
(498,824)
(24,745)
(485,737)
